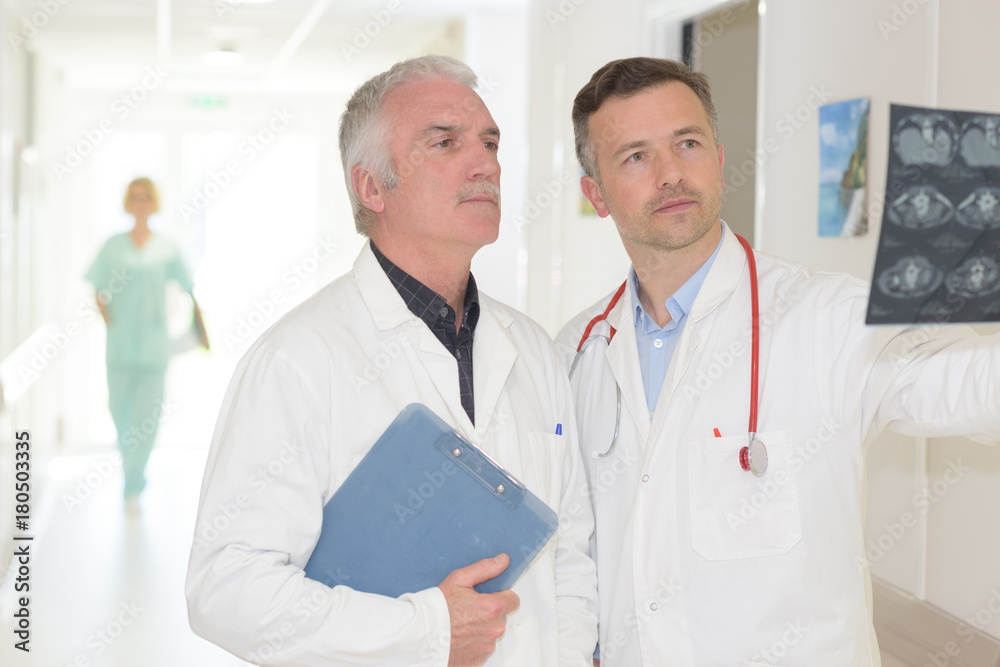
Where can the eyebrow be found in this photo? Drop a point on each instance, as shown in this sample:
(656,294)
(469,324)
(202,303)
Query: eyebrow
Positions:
(491,131)
(630,146)
(690,129)
(641,143)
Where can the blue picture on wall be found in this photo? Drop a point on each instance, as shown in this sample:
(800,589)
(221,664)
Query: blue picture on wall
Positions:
(843,168)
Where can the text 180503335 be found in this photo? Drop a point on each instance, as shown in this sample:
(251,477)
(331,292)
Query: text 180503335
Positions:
(21,567)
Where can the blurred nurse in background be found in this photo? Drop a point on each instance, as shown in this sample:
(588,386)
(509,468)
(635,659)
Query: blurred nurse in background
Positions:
(130,275)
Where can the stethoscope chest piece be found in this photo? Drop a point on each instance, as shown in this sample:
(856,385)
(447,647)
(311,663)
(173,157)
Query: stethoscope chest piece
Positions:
(754,457)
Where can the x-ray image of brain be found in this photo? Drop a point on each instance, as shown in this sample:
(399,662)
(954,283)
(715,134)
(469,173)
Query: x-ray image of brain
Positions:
(981,209)
(938,310)
(921,207)
(977,276)
(909,278)
(980,142)
(925,139)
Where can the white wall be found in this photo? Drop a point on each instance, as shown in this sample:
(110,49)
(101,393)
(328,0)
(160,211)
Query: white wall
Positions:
(964,531)
(496,48)
(15,262)
(812,51)
(568,41)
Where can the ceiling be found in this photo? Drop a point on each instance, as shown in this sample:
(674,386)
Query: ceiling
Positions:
(314,46)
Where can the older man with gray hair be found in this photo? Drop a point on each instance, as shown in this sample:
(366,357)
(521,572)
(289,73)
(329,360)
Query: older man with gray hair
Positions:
(419,150)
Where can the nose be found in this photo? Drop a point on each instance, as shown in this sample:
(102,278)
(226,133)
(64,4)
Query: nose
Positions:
(670,170)
(483,163)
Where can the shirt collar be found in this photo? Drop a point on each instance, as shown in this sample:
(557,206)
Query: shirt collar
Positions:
(470,306)
(680,302)
(424,302)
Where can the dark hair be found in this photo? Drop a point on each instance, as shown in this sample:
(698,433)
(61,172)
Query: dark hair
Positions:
(624,78)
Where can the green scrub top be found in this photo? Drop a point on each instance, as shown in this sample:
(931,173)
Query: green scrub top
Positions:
(132,282)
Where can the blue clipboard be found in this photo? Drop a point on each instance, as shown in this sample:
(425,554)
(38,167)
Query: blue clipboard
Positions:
(425,501)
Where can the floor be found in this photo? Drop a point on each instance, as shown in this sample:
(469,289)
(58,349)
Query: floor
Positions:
(107,590)
(889,660)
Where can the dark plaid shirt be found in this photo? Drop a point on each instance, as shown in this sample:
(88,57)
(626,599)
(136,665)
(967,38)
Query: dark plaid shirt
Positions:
(439,317)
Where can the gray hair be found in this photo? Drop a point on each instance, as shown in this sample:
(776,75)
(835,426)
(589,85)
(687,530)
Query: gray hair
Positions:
(365,132)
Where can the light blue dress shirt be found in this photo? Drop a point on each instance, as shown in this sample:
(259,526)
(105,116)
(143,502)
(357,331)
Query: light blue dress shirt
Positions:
(656,345)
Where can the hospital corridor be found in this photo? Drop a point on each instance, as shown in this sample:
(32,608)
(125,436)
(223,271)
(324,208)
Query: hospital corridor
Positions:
(172,187)
(108,585)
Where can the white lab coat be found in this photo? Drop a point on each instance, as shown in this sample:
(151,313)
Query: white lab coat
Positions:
(304,406)
(699,562)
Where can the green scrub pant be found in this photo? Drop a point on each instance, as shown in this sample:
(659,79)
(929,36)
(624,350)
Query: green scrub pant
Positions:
(135,396)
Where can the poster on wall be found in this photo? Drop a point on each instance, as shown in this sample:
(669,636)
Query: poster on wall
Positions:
(939,249)
(843,170)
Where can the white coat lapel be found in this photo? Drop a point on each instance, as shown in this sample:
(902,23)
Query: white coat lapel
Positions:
(722,279)
(719,284)
(494,353)
(623,357)
(427,355)
(442,371)
(683,352)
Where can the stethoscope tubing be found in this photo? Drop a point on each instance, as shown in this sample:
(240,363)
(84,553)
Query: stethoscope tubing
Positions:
(754,336)
(746,453)
(618,390)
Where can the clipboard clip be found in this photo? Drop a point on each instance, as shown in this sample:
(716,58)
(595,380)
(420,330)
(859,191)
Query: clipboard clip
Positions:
(482,468)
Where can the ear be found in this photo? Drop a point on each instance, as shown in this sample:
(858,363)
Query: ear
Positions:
(722,161)
(367,188)
(592,191)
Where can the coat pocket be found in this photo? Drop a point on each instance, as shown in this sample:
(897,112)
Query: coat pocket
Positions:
(735,514)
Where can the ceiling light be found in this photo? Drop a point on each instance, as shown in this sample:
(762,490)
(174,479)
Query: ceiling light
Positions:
(225,56)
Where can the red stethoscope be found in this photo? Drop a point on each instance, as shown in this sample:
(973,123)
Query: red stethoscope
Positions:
(753,456)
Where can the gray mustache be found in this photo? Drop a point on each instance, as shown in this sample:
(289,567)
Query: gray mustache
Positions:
(479,188)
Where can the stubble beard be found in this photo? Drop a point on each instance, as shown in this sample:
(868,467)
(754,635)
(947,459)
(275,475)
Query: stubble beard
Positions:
(686,229)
